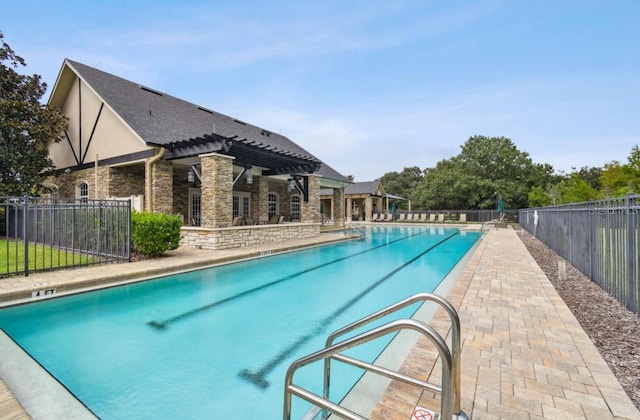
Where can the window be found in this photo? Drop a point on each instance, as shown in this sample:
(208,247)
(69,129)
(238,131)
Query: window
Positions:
(241,204)
(272,204)
(82,191)
(295,208)
(195,201)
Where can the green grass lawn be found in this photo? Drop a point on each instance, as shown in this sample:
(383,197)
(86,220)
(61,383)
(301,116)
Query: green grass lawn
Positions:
(40,257)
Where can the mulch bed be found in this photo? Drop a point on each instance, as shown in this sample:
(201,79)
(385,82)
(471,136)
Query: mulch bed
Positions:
(613,329)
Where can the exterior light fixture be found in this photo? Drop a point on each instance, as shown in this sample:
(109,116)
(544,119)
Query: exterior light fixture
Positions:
(292,185)
(249,178)
(191,176)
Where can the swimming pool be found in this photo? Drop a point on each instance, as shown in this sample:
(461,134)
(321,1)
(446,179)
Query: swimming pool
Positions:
(216,343)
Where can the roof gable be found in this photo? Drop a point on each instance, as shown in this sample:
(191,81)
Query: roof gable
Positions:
(185,129)
(367,187)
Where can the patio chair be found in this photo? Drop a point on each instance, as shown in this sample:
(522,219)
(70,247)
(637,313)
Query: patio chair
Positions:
(423,218)
(463,218)
(374,218)
(388,218)
(402,218)
(440,217)
(238,221)
(432,218)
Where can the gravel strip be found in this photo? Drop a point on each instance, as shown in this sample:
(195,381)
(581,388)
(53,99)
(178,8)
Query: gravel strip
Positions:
(613,329)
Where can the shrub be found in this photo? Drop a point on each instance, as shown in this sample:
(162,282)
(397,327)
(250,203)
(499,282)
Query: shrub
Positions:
(152,234)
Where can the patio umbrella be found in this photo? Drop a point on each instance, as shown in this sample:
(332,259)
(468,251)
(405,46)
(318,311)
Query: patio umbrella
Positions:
(500,205)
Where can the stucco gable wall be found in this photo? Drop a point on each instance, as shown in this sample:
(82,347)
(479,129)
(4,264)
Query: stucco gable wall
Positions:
(111,137)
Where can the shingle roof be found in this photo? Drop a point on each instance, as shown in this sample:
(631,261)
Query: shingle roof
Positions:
(164,120)
(367,187)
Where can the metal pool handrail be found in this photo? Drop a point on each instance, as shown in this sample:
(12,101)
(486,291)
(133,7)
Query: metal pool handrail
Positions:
(455,341)
(446,400)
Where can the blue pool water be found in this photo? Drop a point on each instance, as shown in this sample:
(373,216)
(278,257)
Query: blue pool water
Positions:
(216,343)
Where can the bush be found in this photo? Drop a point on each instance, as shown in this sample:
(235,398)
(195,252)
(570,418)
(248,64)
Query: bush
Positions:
(153,234)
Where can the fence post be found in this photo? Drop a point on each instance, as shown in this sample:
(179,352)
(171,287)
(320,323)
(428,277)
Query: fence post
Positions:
(591,228)
(25,225)
(129,230)
(631,254)
(571,236)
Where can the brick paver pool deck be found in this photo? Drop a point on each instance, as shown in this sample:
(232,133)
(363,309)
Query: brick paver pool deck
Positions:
(524,355)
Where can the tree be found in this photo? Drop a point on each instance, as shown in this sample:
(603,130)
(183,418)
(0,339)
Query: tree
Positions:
(577,190)
(591,176)
(486,168)
(27,127)
(443,187)
(402,183)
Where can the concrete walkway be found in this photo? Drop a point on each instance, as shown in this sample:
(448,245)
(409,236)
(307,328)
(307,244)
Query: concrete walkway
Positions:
(524,355)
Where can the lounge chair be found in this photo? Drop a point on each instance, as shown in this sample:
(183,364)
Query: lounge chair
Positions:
(423,218)
(402,218)
(440,217)
(280,220)
(238,221)
(432,218)
(463,218)
(410,217)
(388,218)
(374,218)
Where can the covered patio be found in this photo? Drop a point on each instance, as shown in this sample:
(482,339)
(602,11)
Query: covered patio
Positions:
(242,192)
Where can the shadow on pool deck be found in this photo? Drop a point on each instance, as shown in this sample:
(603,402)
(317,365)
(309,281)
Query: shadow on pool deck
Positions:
(524,355)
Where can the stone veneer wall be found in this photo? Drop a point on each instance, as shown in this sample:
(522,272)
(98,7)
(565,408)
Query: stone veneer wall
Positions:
(162,186)
(310,212)
(260,207)
(181,187)
(125,181)
(68,182)
(238,237)
(338,206)
(216,190)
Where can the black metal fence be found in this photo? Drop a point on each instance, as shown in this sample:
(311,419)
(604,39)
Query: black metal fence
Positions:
(599,238)
(479,216)
(39,234)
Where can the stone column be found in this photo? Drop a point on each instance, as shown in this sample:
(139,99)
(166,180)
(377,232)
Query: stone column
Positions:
(263,196)
(349,208)
(216,190)
(162,187)
(310,211)
(368,209)
(338,206)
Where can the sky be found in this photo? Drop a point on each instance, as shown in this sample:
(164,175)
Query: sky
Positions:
(370,87)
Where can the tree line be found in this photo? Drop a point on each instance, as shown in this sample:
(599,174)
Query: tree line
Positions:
(489,168)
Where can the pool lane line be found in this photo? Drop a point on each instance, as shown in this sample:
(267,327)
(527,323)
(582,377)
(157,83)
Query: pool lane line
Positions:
(161,325)
(258,377)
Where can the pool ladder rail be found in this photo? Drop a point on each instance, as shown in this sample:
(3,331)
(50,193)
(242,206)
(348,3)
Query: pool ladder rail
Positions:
(449,390)
(358,229)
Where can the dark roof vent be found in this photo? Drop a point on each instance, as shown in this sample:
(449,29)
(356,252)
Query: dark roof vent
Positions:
(265,133)
(239,122)
(205,110)
(150,90)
